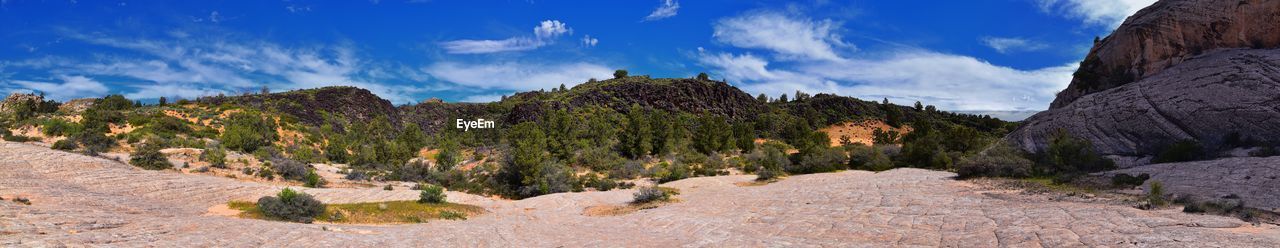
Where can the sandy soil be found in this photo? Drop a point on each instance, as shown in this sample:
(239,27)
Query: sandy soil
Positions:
(85,201)
(860,131)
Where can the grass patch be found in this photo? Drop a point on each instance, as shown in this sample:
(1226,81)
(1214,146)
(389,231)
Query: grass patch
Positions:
(392,212)
(615,210)
(1048,184)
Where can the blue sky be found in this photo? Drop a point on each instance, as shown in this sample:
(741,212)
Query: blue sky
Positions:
(958,55)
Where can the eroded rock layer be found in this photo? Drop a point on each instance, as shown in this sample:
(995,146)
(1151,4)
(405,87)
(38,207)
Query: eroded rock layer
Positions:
(1168,33)
(1209,98)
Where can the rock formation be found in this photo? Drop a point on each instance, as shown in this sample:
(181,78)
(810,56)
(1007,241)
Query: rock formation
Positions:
(1203,70)
(1168,33)
(18,98)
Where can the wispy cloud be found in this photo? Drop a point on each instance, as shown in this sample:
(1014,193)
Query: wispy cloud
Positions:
(804,59)
(190,68)
(787,37)
(519,76)
(1010,45)
(1108,13)
(482,98)
(70,87)
(544,34)
(668,9)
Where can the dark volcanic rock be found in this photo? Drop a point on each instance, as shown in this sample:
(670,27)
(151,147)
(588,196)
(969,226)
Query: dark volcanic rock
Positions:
(677,95)
(1168,33)
(1205,98)
(346,103)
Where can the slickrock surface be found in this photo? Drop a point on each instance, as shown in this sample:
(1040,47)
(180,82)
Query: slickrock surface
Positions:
(1205,98)
(79,200)
(1254,180)
(1170,32)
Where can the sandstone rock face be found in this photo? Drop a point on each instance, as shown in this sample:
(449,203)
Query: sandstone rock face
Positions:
(1168,33)
(1252,180)
(1205,98)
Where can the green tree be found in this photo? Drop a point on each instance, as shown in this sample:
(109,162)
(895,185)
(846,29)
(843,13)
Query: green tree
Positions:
(661,126)
(713,134)
(782,98)
(762,98)
(620,74)
(704,77)
(744,136)
(528,151)
(636,141)
(919,106)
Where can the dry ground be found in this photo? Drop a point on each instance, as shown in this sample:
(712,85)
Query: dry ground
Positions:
(84,201)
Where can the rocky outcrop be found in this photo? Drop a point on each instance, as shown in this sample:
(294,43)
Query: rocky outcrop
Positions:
(15,99)
(1251,180)
(1168,33)
(77,105)
(350,104)
(1208,98)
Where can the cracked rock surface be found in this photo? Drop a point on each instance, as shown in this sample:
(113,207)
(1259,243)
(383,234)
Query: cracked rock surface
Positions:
(86,201)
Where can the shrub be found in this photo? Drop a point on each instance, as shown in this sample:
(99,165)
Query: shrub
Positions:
(629,170)
(59,127)
(1125,180)
(820,160)
(1070,155)
(769,161)
(94,141)
(1155,195)
(357,176)
(149,157)
(388,187)
(291,206)
(313,180)
(246,131)
(1181,151)
(620,74)
(871,158)
(1001,160)
(216,156)
(290,169)
(65,145)
(18,138)
(650,194)
(431,194)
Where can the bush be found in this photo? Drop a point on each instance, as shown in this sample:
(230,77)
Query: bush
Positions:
(820,160)
(94,141)
(1181,151)
(1001,160)
(650,194)
(1155,196)
(1127,181)
(65,145)
(246,131)
(1069,155)
(313,180)
(290,169)
(769,161)
(216,156)
(388,187)
(871,158)
(59,127)
(19,138)
(291,206)
(149,157)
(432,194)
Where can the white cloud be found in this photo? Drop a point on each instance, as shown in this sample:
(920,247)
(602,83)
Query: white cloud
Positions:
(587,41)
(1009,45)
(789,38)
(664,11)
(550,29)
(71,87)
(482,98)
(544,34)
(491,46)
(189,68)
(951,82)
(1096,12)
(515,75)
